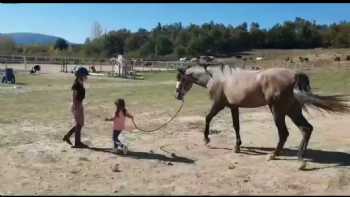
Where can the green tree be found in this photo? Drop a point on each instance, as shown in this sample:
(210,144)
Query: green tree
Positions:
(163,46)
(61,44)
(180,51)
(7,45)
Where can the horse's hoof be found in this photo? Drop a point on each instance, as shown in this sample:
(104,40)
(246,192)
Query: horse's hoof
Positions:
(271,157)
(206,141)
(303,165)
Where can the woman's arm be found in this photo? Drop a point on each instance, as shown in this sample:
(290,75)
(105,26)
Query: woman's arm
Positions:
(75,97)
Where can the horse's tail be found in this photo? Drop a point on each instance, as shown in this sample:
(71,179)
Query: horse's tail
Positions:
(302,92)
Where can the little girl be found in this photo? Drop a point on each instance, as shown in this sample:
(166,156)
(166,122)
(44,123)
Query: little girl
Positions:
(119,121)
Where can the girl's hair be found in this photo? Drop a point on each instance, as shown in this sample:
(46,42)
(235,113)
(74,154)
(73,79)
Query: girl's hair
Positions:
(120,106)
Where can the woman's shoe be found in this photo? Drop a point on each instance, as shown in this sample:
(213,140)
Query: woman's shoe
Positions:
(80,145)
(66,139)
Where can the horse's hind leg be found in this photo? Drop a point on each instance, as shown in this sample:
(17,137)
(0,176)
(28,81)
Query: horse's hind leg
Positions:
(279,118)
(235,121)
(305,127)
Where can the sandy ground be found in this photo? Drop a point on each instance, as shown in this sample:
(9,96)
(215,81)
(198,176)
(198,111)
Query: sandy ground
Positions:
(175,160)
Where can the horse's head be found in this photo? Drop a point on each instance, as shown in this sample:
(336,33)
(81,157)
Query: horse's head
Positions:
(184,82)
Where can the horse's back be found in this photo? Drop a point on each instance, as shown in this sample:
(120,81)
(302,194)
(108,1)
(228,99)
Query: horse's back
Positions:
(257,88)
(278,77)
(242,89)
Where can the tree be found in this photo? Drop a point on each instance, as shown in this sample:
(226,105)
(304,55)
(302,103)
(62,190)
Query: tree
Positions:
(258,37)
(180,51)
(7,45)
(87,41)
(134,42)
(113,44)
(148,48)
(182,38)
(61,44)
(96,30)
(163,46)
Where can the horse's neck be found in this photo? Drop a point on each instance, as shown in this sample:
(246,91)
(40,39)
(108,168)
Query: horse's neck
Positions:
(208,77)
(217,76)
(203,80)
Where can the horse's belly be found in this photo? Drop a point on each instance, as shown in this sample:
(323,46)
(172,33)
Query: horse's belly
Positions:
(247,99)
(252,104)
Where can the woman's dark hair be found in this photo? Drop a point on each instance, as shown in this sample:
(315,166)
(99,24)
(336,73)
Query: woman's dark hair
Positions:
(120,106)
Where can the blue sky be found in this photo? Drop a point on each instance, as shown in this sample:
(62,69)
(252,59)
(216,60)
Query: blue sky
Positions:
(74,21)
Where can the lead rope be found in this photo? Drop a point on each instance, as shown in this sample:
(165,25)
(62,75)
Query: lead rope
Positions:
(156,129)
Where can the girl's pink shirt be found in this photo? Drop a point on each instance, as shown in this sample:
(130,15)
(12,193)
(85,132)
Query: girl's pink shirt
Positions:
(119,122)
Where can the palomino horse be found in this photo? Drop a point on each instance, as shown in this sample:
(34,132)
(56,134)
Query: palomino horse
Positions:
(285,92)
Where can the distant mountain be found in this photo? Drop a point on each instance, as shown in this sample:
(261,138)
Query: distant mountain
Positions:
(31,38)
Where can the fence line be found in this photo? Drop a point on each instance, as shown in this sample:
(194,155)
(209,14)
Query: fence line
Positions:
(100,64)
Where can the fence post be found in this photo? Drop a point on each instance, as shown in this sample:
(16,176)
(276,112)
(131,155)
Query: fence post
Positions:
(25,63)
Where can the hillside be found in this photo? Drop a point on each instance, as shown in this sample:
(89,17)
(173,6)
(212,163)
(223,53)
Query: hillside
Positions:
(31,38)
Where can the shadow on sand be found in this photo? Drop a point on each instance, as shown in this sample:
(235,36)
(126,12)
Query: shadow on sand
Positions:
(333,158)
(147,155)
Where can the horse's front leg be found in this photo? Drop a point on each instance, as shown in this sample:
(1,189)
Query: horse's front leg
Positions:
(216,108)
(235,121)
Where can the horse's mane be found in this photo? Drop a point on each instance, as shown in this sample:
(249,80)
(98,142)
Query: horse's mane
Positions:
(220,70)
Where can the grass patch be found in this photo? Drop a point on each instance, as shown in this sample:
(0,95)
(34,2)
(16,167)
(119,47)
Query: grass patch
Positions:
(49,98)
(331,81)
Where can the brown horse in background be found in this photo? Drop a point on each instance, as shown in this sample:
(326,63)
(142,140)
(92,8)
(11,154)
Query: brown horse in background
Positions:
(285,91)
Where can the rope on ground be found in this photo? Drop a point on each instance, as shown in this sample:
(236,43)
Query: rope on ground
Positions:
(164,150)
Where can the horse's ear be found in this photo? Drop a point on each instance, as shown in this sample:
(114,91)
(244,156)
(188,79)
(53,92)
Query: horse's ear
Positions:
(181,70)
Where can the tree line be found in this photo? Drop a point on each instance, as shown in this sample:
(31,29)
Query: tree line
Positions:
(175,40)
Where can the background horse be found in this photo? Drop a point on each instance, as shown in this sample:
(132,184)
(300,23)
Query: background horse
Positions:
(285,92)
(9,76)
(35,69)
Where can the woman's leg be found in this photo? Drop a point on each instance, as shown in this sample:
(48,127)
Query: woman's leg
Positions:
(78,143)
(79,119)
(78,134)
(68,135)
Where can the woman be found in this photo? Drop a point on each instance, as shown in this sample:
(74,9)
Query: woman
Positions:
(77,108)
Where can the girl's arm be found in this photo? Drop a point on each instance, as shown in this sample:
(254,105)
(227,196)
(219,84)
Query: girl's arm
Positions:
(110,119)
(129,115)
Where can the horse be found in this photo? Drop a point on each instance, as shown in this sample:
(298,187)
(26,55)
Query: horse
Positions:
(286,92)
(9,76)
(35,69)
